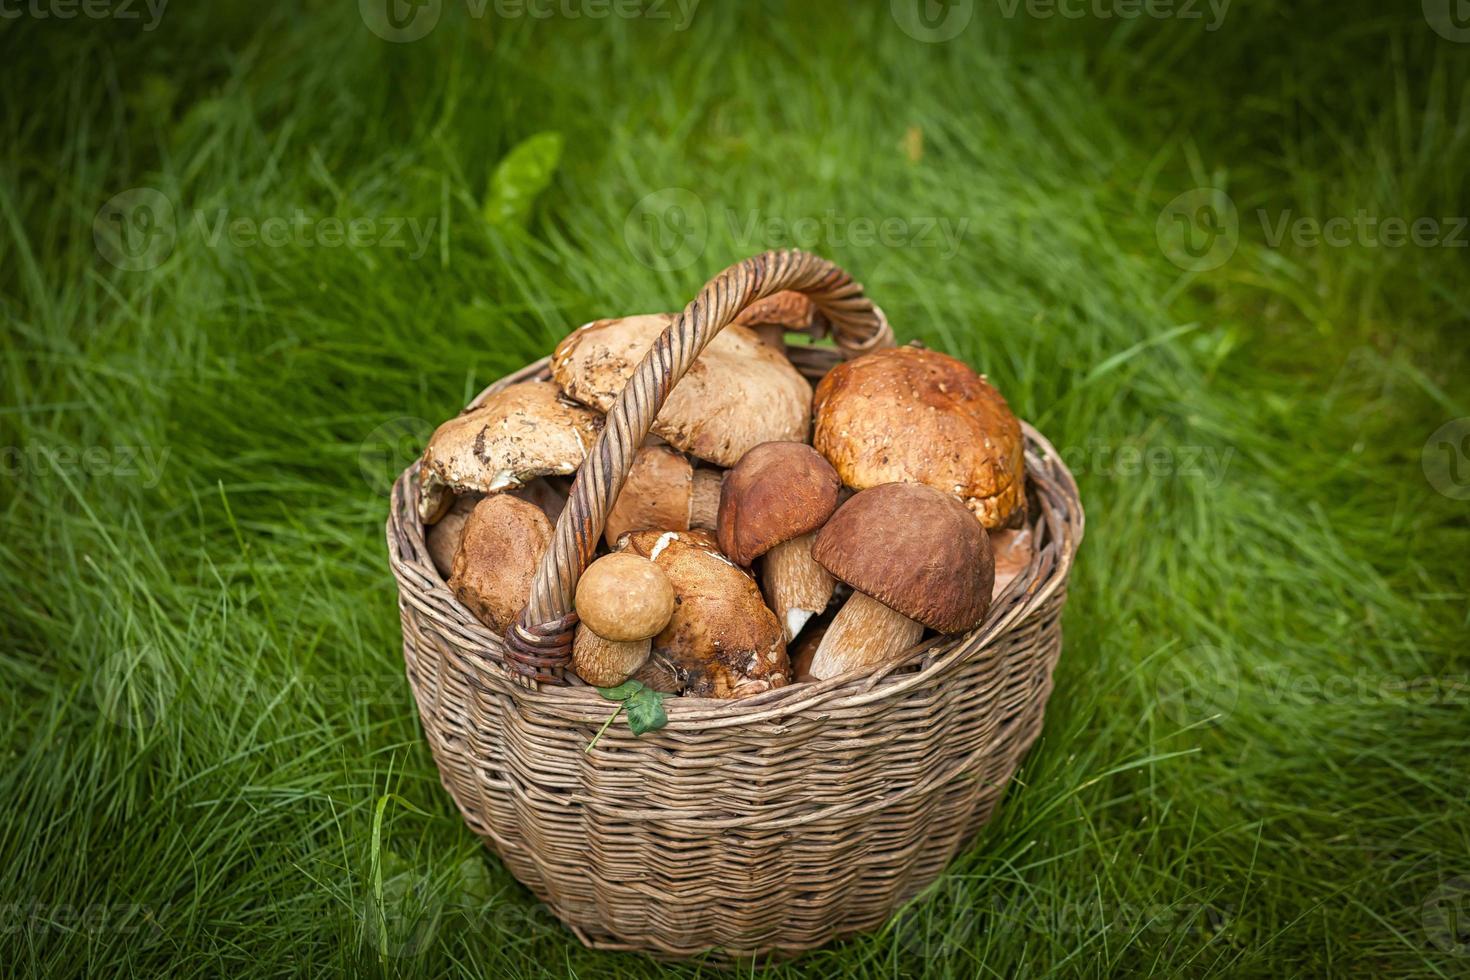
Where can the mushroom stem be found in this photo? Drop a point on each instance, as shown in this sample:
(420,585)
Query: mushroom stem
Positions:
(798,587)
(704,499)
(863,634)
(607,663)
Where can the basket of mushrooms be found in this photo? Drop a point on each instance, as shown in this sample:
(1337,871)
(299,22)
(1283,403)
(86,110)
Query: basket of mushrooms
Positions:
(727,643)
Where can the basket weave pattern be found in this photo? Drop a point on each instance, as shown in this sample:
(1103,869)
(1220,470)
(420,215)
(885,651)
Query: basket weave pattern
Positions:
(765,826)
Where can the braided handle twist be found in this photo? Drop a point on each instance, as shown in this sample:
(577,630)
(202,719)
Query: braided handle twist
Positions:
(538,644)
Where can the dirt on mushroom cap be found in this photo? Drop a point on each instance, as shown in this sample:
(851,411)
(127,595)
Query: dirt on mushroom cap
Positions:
(918,416)
(504,540)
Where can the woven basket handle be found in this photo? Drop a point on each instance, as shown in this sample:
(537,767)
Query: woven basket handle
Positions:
(538,645)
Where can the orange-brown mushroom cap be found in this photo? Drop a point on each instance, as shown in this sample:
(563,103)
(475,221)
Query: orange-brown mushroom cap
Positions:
(778,491)
(914,549)
(918,416)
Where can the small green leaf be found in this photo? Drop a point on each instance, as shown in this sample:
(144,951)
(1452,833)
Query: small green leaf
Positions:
(519,179)
(645,706)
(646,711)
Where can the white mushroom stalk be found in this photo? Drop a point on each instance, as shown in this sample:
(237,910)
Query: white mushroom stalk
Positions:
(797,587)
(863,634)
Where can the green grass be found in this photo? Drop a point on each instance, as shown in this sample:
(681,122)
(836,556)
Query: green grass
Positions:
(1254,762)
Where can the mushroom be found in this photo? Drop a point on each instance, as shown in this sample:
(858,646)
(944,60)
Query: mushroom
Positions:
(1012,550)
(773,502)
(547,492)
(804,652)
(778,313)
(722,640)
(504,539)
(518,433)
(622,601)
(443,538)
(665,493)
(918,416)
(914,557)
(737,394)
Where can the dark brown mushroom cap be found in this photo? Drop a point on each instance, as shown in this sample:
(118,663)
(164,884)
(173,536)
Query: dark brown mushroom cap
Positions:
(778,491)
(914,549)
(918,416)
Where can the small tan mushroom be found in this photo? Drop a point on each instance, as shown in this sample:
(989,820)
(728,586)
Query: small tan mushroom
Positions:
(504,540)
(738,394)
(443,538)
(914,557)
(622,602)
(521,432)
(773,502)
(722,640)
(663,492)
(918,416)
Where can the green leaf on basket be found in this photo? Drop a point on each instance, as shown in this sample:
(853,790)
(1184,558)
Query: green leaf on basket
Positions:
(519,179)
(645,706)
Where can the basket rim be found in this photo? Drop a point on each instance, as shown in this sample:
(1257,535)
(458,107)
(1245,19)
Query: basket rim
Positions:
(482,650)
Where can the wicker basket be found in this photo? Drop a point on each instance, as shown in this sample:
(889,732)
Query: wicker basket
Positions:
(759,827)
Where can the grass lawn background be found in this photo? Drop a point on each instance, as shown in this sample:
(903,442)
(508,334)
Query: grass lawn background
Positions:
(1255,759)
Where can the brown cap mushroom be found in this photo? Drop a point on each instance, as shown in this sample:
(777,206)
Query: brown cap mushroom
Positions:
(778,313)
(772,503)
(504,539)
(443,538)
(914,557)
(523,431)
(722,639)
(918,416)
(738,394)
(622,601)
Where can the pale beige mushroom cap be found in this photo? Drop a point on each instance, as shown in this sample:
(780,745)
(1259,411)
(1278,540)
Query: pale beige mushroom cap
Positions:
(722,640)
(521,432)
(503,542)
(738,394)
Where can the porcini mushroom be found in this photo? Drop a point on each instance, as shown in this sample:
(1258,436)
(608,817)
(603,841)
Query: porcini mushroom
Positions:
(518,433)
(504,540)
(623,600)
(722,640)
(918,416)
(737,394)
(914,557)
(771,318)
(772,504)
(443,538)
(663,492)
(1012,550)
